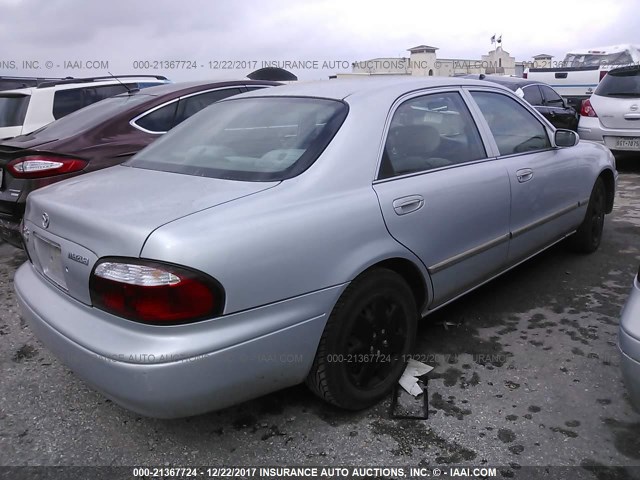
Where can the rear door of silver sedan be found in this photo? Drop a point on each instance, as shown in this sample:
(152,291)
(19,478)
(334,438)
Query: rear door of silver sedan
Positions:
(545,181)
(441,193)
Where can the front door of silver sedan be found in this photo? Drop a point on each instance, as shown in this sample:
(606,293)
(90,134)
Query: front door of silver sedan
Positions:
(545,181)
(440,194)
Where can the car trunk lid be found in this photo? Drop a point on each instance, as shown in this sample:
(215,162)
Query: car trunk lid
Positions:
(111,213)
(618,112)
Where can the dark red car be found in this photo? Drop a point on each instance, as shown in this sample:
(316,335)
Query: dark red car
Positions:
(98,136)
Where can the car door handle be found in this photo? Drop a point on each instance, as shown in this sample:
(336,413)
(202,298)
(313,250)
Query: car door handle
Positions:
(524,175)
(409,204)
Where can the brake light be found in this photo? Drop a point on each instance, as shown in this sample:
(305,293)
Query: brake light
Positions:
(154,292)
(525,75)
(38,166)
(587,109)
(603,73)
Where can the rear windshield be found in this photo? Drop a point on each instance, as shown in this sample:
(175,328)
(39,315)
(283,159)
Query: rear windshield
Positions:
(621,83)
(595,60)
(250,139)
(13,109)
(90,116)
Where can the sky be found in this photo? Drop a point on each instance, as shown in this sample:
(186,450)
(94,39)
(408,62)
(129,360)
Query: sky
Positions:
(59,37)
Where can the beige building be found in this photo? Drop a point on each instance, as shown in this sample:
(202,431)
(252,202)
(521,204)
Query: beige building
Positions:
(423,61)
(543,60)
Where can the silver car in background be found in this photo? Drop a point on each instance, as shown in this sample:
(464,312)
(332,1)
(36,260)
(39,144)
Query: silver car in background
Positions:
(298,234)
(629,343)
(612,115)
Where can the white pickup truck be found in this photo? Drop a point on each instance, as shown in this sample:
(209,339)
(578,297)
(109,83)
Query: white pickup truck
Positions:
(577,76)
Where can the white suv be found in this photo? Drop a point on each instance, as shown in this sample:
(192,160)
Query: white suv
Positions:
(25,110)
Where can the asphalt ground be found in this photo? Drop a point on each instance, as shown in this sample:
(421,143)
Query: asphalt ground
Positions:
(526,373)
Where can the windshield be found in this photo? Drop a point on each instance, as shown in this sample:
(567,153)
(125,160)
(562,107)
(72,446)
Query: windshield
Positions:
(90,116)
(250,139)
(595,60)
(13,109)
(620,83)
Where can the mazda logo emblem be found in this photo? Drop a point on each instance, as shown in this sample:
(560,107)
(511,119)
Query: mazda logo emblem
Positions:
(45,220)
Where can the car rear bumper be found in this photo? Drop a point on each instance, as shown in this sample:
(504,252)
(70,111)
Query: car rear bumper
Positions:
(156,371)
(590,128)
(629,344)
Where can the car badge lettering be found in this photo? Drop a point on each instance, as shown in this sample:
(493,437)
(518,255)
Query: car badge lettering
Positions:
(78,258)
(633,108)
(45,220)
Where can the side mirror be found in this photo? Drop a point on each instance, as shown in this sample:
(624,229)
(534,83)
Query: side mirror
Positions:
(566,138)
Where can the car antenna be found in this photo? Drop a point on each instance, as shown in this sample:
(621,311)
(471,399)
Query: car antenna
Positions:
(129,90)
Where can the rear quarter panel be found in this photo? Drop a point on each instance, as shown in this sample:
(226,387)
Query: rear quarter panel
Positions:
(280,243)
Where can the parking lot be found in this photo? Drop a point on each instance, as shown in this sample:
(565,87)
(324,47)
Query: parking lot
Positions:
(527,373)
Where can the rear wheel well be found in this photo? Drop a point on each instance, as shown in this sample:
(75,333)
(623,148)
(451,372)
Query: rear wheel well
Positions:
(411,274)
(610,186)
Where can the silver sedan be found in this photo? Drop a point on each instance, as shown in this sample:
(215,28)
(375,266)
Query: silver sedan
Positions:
(299,234)
(629,342)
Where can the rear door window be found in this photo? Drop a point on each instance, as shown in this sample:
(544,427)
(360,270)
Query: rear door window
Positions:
(67,101)
(191,105)
(532,95)
(13,109)
(428,132)
(160,120)
(551,97)
(514,128)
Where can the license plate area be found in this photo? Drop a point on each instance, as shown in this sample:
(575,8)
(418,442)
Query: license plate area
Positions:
(50,259)
(626,143)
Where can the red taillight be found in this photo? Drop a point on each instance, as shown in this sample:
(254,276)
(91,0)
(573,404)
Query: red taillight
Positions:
(39,166)
(587,109)
(525,75)
(603,73)
(153,292)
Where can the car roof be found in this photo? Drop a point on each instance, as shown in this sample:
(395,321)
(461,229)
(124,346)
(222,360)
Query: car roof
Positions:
(512,83)
(340,89)
(626,68)
(197,86)
(603,50)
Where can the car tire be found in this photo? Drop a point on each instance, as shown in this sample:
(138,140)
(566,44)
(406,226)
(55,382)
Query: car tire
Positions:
(366,342)
(589,234)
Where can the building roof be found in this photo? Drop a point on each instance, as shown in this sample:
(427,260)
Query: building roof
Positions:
(422,47)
